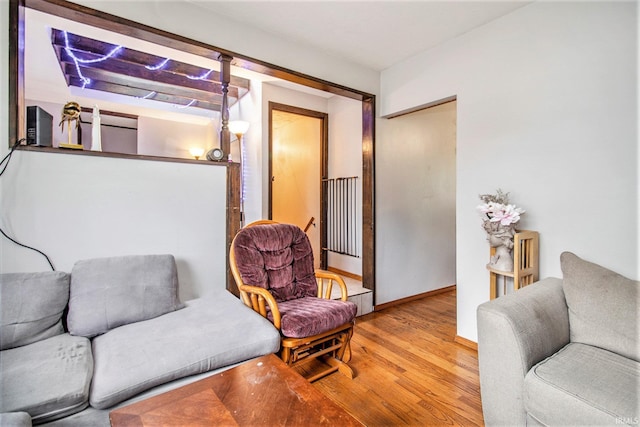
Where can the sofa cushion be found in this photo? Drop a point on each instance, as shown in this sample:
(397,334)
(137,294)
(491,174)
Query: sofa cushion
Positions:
(210,332)
(583,385)
(110,292)
(603,306)
(49,379)
(309,316)
(277,257)
(31,306)
(15,419)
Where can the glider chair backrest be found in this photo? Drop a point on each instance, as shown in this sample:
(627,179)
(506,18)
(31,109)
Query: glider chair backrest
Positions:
(272,265)
(278,258)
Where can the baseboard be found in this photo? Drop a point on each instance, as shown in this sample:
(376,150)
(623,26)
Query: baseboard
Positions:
(345,273)
(466,342)
(379,307)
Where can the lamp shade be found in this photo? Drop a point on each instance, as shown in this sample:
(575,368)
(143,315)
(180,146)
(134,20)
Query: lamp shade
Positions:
(196,152)
(238,127)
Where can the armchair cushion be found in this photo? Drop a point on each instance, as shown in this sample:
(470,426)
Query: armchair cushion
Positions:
(31,307)
(309,316)
(277,257)
(111,292)
(583,385)
(612,323)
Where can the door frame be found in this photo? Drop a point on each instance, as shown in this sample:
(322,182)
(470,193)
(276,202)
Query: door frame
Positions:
(324,166)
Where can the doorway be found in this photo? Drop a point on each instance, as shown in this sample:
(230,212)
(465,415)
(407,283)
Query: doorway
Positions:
(298,162)
(417,221)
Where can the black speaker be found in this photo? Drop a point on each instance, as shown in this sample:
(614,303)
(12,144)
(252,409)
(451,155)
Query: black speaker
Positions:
(39,127)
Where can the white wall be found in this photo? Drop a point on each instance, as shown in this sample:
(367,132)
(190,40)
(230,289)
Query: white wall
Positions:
(547,110)
(416,203)
(76,207)
(168,138)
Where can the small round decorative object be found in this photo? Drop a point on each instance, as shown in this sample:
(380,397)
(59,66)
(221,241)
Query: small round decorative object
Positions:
(215,154)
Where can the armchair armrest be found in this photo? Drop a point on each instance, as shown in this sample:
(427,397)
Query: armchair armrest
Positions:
(255,298)
(325,281)
(515,332)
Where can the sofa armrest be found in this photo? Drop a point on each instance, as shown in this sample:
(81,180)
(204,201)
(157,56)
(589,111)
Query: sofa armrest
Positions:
(515,332)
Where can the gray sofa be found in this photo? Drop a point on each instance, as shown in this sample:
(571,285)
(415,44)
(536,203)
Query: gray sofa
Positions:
(127,337)
(562,352)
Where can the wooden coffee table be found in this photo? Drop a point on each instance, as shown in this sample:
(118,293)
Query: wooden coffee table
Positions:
(262,391)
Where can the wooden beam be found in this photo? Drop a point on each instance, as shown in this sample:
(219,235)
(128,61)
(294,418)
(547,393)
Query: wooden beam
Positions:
(125,71)
(88,48)
(145,85)
(173,99)
(128,73)
(233,218)
(17,120)
(368,194)
(225,77)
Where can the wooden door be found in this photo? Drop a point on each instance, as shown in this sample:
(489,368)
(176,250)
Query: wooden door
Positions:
(296,165)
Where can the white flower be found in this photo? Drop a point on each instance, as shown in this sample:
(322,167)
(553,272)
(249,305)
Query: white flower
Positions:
(498,212)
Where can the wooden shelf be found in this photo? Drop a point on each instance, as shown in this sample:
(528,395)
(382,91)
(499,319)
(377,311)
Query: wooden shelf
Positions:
(501,272)
(525,262)
(56,150)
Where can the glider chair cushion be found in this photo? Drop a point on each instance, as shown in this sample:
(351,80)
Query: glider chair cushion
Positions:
(309,316)
(277,257)
(273,267)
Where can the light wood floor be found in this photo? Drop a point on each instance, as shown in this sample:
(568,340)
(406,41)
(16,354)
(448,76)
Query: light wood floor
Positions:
(409,369)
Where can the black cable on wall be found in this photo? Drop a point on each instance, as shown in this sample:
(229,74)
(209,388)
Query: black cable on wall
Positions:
(5,161)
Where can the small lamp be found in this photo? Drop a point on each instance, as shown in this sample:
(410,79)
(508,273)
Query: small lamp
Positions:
(196,152)
(238,128)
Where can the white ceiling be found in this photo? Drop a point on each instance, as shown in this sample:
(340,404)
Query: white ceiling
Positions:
(375,34)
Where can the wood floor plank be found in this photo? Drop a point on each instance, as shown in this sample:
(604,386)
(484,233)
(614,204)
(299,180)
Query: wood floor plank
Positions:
(409,369)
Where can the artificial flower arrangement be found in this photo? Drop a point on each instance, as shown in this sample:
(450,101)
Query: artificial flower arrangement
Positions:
(497,210)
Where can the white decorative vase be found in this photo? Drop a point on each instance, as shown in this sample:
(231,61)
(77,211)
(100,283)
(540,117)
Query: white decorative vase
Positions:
(96,138)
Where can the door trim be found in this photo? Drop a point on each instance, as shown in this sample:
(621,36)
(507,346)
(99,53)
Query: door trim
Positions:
(324,166)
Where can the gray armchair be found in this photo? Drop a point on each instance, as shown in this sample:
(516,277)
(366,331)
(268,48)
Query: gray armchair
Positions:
(562,352)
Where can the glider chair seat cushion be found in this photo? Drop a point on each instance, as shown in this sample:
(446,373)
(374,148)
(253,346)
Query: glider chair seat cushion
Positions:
(273,266)
(309,316)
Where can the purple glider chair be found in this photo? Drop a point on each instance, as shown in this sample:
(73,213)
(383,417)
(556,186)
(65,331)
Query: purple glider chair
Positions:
(272,265)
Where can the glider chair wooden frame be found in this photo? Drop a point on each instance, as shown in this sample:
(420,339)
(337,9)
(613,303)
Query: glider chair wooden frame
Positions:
(317,355)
